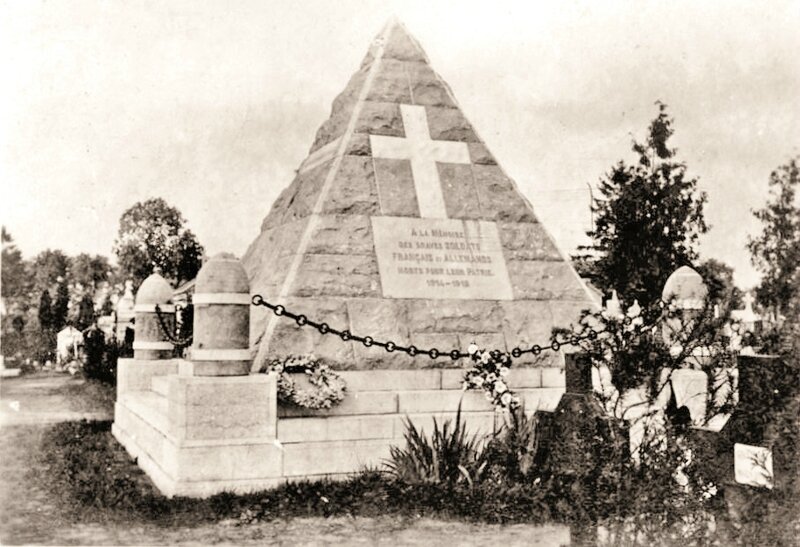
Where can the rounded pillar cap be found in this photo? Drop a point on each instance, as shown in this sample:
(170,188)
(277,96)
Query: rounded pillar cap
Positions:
(687,287)
(222,273)
(154,290)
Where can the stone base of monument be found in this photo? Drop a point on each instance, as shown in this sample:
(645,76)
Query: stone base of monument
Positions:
(195,435)
(198,436)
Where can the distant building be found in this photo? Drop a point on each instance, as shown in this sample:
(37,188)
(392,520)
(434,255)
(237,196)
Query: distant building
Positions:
(68,340)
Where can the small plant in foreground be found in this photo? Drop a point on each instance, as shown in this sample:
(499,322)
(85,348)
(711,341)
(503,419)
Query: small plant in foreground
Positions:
(448,457)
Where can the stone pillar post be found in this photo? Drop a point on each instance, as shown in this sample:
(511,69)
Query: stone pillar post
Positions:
(151,341)
(221,339)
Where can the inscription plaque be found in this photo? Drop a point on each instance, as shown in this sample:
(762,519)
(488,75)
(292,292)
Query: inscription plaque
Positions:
(440,258)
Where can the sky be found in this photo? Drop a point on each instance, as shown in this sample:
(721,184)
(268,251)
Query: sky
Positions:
(213,105)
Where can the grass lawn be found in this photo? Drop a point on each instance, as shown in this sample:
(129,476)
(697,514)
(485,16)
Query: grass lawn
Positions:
(35,507)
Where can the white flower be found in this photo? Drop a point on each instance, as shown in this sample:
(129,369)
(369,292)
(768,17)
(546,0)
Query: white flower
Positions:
(505,398)
(472,349)
(504,371)
(489,396)
(485,358)
(500,387)
(477,381)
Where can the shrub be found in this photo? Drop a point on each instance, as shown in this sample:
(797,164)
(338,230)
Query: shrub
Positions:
(448,457)
(101,357)
(512,451)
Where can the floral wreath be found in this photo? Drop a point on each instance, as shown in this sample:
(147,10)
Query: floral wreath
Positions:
(328,387)
(489,372)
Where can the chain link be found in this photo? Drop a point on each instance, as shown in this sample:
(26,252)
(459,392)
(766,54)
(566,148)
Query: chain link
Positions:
(434,353)
(171,337)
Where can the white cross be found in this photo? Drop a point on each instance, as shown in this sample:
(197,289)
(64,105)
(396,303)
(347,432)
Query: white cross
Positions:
(423,152)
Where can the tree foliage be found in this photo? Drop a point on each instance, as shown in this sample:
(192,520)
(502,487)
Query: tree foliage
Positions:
(722,291)
(89,271)
(45,311)
(152,234)
(60,307)
(85,315)
(49,268)
(648,218)
(775,252)
(13,270)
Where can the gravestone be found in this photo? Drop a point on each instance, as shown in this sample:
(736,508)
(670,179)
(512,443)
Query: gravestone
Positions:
(401,225)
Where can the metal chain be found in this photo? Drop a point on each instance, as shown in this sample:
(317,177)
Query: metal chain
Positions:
(413,351)
(171,336)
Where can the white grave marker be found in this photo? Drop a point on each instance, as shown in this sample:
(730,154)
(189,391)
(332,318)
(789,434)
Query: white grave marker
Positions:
(752,465)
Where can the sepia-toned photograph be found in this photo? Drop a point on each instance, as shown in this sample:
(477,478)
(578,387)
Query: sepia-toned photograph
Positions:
(383,272)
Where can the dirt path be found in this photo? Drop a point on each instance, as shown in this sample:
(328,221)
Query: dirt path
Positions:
(29,513)
(51,398)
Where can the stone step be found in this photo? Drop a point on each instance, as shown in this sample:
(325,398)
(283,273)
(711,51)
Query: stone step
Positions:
(144,436)
(150,406)
(160,385)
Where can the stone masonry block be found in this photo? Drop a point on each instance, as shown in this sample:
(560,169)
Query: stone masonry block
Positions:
(290,339)
(414,402)
(454,316)
(391,380)
(544,280)
(489,341)
(341,234)
(353,191)
(226,462)
(362,402)
(426,87)
(449,124)
(380,118)
(453,378)
(444,342)
(518,378)
(137,374)
(400,46)
(391,83)
(477,423)
(335,428)
(230,422)
(337,275)
(527,241)
(498,196)
(458,189)
(553,377)
(545,399)
(383,320)
(222,407)
(333,457)
(480,155)
(396,191)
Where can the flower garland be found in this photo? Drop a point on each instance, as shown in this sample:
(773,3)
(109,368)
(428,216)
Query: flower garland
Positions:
(328,388)
(489,372)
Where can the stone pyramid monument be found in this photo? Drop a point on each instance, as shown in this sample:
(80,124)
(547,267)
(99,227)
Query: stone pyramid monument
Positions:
(400,225)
